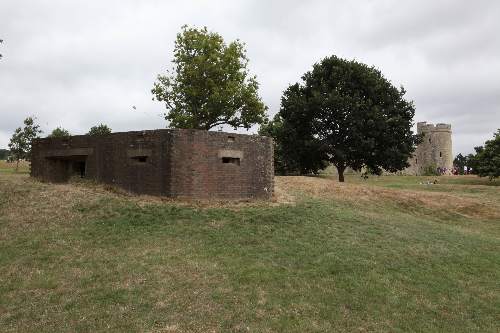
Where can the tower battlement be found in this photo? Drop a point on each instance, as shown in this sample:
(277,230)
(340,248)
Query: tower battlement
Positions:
(443,127)
(435,150)
(424,127)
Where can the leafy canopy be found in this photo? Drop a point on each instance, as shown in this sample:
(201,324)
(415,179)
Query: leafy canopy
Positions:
(100,129)
(209,84)
(486,162)
(20,142)
(348,114)
(4,154)
(18,145)
(59,132)
(461,162)
(296,149)
(472,160)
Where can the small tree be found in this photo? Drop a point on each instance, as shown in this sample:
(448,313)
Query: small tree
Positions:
(59,132)
(431,170)
(18,146)
(460,162)
(4,153)
(20,142)
(209,84)
(348,114)
(487,158)
(100,129)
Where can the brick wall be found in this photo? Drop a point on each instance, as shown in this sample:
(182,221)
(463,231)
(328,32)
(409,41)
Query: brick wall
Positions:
(178,163)
(231,165)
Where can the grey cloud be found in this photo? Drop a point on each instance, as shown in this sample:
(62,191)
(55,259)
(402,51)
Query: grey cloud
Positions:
(78,63)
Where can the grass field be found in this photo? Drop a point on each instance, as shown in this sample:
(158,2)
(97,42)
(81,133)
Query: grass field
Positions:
(389,254)
(7,167)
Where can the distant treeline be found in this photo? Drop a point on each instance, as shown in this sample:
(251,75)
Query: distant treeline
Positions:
(3,154)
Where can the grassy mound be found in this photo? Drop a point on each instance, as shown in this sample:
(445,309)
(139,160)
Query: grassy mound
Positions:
(387,254)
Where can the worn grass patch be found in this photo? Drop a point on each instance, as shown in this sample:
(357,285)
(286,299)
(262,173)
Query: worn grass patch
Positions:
(322,256)
(10,167)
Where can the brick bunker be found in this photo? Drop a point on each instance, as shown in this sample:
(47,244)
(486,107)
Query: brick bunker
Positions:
(168,162)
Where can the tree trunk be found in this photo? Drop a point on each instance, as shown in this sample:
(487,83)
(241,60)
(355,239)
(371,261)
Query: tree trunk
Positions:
(17,165)
(340,170)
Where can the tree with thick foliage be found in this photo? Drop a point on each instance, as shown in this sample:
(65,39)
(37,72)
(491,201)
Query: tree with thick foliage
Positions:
(209,84)
(472,162)
(487,158)
(20,142)
(296,149)
(461,162)
(4,154)
(59,132)
(100,129)
(348,114)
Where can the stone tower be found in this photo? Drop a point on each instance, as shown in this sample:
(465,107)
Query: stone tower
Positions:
(435,149)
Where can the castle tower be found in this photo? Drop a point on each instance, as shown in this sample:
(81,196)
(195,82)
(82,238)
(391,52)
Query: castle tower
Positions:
(435,150)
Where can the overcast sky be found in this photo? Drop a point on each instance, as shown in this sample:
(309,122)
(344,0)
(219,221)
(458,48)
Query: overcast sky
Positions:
(79,63)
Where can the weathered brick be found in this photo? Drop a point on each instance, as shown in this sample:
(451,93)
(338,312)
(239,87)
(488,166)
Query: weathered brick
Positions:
(169,162)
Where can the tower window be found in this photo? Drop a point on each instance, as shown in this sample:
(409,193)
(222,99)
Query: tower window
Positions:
(440,155)
(429,140)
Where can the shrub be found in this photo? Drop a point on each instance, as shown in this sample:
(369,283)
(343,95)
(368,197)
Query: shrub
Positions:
(431,170)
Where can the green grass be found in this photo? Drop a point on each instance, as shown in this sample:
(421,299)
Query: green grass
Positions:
(6,167)
(468,186)
(417,180)
(105,262)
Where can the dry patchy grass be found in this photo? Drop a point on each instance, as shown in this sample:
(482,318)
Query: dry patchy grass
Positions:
(327,188)
(28,203)
(321,256)
(24,166)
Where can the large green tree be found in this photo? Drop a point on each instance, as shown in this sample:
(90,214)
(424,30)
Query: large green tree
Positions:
(348,114)
(20,142)
(209,84)
(472,161)
(100,129)
(59,132)
(487,158)
(296,149)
